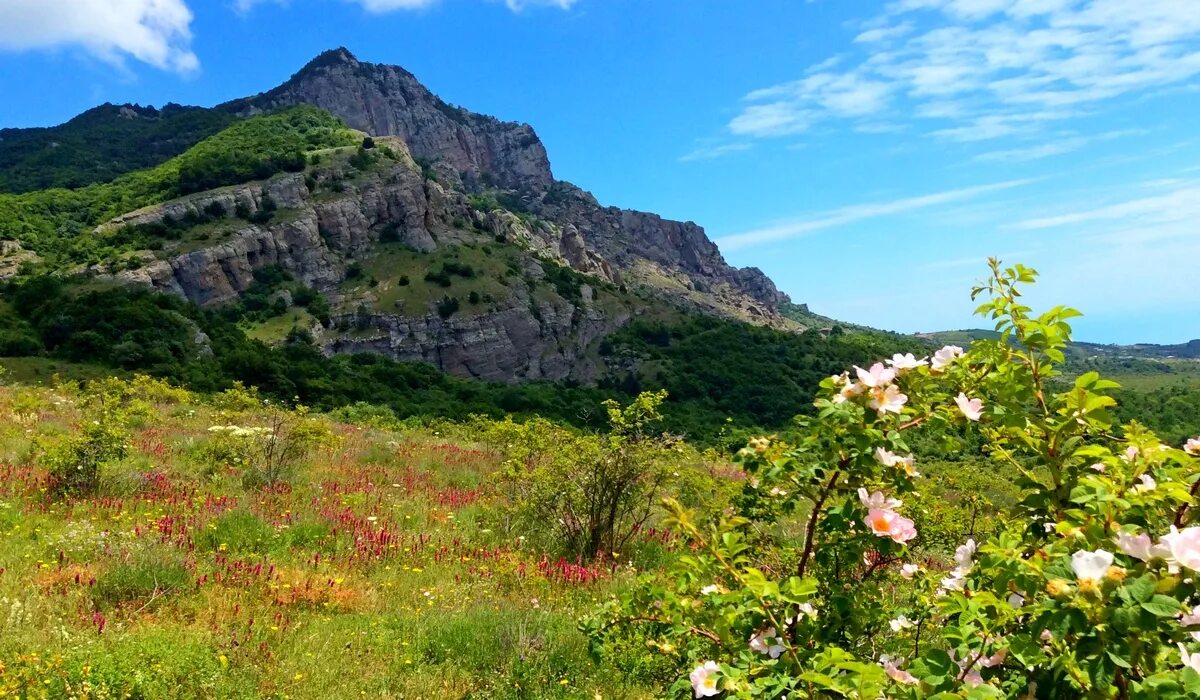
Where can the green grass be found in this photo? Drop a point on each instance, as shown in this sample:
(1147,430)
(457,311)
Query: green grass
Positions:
(493,276)
(43,370)
(181,582)
(275,330)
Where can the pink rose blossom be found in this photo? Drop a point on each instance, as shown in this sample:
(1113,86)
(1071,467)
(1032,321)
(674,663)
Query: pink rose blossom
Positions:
(1191,619)
(1184,546)
(892,669)
(889,400)
(907,571)
(704,681)
(1193,447)
(1192,661)
(888,523)
(945,357)
(906,361)
(1141,547)
(891,459)
(767,643)
(877,500)
(877,376)
(971,408)
(848,391)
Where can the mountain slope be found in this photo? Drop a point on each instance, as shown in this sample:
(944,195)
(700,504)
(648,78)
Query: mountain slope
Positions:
(101,144)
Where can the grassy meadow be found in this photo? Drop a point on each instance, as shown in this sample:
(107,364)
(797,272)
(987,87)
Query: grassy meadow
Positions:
(383,564)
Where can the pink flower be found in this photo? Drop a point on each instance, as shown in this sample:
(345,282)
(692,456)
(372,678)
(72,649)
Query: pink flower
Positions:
(767,643)
(1192,661)
(1098,467)
(1184,546)
(889,400)
(1131,453)
(1191,619)
(1047,636)
(971,408)
(945,357)
(894,672)
(906,361)
(704,679)
(994,660)
(848,391)
(877,376)
(1146,484)
(907,571)
(888,523)
(1192,447)
(891,459)
(878,501)
(1141,547)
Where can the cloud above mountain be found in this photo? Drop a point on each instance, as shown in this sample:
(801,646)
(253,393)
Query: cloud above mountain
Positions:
(155,32)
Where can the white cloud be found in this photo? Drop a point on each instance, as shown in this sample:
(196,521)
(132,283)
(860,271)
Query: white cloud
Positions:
(985,69)
(1062,143)
(1181,204)
(709,152)
(855,213)
(156,32)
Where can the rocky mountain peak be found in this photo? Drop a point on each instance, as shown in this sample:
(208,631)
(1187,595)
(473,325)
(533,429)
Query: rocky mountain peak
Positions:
(384,100)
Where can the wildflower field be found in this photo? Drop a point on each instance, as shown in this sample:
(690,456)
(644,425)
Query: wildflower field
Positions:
(967,523)
(376,562)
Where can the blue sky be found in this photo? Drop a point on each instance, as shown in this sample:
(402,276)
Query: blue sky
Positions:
(868,156)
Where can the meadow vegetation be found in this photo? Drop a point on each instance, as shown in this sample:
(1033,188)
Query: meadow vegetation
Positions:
(158,542)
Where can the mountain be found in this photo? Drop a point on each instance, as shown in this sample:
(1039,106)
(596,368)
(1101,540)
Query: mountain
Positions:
(443,237)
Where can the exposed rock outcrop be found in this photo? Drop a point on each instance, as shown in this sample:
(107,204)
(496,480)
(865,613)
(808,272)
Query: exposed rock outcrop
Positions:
(390,101)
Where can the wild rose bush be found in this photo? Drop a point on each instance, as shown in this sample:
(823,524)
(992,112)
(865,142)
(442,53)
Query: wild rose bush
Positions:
(1089,590)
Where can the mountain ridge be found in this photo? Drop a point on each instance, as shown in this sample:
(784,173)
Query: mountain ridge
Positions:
(451,188)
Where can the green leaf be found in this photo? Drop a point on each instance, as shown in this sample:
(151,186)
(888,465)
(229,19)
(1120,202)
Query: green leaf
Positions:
(1162,606)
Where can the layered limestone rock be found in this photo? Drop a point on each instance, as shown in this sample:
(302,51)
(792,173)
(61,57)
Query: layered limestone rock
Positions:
(525,340)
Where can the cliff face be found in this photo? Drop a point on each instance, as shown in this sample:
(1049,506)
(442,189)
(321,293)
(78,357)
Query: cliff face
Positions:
(470,150)
(455,184)
(389,101)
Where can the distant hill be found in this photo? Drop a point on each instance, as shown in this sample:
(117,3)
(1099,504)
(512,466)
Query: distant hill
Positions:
(1081,350)
(101,144)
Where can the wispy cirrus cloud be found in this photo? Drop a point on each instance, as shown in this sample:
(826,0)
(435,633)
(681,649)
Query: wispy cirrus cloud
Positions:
(1058,145)
(711,151)
(977,70)
(1180,204)
(857,212)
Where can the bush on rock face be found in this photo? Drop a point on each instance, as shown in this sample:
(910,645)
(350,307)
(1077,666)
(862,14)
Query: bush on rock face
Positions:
(1088,589)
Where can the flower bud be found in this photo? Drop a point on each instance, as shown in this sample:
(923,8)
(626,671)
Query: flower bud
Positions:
(1114,574)
(1089,587)
(1058,588)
